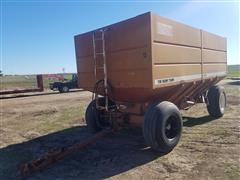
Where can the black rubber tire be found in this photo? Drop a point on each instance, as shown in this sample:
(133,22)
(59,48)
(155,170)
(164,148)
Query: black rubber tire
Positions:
(91,117)
(94,118)
(156,124)
(216,101)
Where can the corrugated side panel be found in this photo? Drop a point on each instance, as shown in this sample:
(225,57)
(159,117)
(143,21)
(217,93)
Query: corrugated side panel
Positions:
(214,55)
(182,53)
(128,49)
(214,42)
(176,52)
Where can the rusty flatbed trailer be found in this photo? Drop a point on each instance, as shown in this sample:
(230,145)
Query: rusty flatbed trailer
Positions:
(144,69)
(38,89)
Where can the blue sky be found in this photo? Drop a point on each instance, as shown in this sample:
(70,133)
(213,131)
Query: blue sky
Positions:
(37,36)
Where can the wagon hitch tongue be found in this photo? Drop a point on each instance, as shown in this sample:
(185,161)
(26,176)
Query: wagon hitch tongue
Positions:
(57,154)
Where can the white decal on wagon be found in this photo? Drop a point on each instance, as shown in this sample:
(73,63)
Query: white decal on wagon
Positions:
(164,29)
(187,77)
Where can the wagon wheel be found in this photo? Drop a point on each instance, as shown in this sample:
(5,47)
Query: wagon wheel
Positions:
(162,126)
(216,97)
(97,119)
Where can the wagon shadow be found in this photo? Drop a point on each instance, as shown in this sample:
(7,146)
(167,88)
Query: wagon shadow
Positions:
(109,156)
(193,121)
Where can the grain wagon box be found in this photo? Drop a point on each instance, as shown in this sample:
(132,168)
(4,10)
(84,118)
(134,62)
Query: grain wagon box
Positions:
(144,69)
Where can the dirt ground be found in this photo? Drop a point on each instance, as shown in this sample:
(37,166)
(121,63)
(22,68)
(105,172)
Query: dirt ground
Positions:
(209,148)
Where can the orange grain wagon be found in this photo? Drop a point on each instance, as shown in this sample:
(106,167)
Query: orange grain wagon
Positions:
(144,69)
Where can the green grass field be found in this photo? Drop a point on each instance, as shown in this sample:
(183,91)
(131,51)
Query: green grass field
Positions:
(10,82)
(233,71)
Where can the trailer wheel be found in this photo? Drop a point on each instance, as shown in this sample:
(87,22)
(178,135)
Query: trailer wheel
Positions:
(96,119)
(162,126)
(216,101)
(92,115)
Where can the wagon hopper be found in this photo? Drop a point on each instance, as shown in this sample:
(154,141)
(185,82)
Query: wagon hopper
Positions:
(144,69)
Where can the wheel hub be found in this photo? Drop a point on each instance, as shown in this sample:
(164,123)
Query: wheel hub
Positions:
(222,102)
(171,128)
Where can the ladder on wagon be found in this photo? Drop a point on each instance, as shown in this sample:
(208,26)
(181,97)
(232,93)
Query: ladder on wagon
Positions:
(100,55)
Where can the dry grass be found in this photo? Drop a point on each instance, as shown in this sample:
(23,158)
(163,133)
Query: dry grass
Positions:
(209,148)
